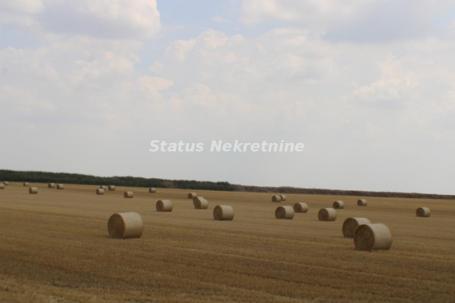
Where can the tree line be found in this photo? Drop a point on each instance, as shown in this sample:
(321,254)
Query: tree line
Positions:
(69,178)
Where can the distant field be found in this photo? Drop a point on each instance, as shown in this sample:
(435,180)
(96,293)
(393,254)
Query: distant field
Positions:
(54,248)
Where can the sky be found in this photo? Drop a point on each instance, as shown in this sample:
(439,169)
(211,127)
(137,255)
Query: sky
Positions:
(368,86)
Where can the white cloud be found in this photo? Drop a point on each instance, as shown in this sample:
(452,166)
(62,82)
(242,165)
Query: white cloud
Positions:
(353,20)
(311,11)
(394,86)
(97,18)
(103,18)
(21,6)
(153,85)
(21,12)
(181,48)
(63,76)
(244,71)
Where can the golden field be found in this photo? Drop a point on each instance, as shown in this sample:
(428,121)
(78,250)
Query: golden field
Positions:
(54,248)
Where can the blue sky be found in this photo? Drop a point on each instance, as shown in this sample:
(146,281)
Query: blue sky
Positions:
(368,86)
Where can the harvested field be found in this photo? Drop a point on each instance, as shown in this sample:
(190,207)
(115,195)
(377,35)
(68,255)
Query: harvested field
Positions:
(55,248)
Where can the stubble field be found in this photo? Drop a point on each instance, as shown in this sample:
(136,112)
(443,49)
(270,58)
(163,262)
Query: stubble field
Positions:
(54,248)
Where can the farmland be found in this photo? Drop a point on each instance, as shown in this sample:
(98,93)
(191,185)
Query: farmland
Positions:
(54,248)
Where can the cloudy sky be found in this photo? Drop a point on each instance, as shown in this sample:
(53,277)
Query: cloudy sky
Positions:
(367,85)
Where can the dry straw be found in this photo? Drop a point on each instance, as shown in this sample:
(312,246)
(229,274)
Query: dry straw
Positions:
(338,204)
(164,205)
(362,202)
(128,194)
(33,190)
(301,207)
(284,212)
(423,212)
(351,224)
(125,225)
(152,190)
(276,198)
(200,203)
(191,195)
(372,236)
(60,186)
(100,191)
(111,187)
(223,213)
(52,185)
(327,214)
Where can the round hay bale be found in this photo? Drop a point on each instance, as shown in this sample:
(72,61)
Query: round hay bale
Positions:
(276,198)
(2,186)
(200,203)
(125,225)
(284,212)
(60,186)
(338,204)
(423,212)
(128,194)
(6,183)
(102,187)
(223,213)
(26,184)
(152,190)
(351,224)
(191,195)
(327,214)
(164,205)
(52,185)
(372,236)
(283,197)
(100,191)
(362,202)
(33,190)
(301,207)
(111,187)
